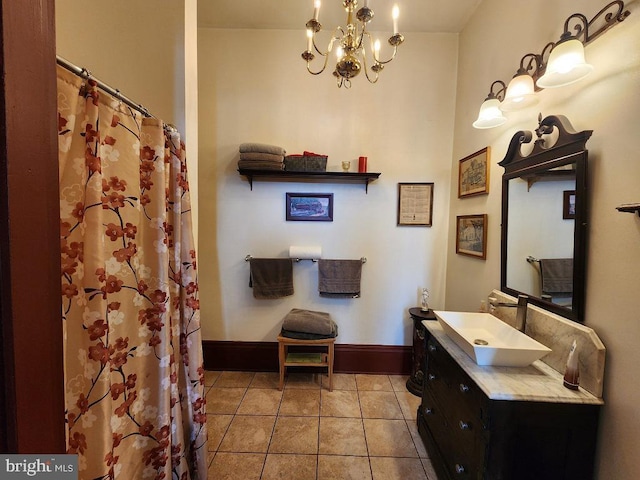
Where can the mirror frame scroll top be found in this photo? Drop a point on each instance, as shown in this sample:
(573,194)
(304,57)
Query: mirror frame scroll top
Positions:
(546,159)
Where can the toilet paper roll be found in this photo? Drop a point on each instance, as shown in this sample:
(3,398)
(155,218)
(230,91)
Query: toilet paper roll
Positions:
(305,252)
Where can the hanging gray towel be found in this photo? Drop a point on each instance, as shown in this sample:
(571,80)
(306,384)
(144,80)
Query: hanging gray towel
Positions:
(339,278)
(271,277)
(557,275)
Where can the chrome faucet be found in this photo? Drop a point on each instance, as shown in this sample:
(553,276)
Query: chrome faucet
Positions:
(521,314)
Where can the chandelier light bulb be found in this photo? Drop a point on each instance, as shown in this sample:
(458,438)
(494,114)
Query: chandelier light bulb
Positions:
(316,9)
(339,52)
(395,13)
(309,39)
(376,50)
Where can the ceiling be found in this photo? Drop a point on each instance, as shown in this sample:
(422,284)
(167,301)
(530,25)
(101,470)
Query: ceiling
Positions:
(415,15)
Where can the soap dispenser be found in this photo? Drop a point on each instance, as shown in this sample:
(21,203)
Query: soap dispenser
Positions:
(571,374)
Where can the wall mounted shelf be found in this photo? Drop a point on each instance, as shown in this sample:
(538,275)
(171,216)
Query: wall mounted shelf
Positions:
(311,177)
(630,207)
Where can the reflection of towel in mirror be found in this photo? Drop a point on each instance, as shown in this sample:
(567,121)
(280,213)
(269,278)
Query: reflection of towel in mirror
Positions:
(339,278)
(309,322)
(557,275)
(271,277)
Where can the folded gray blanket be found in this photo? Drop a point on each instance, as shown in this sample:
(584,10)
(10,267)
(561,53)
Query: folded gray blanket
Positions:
(271,157)
(309,336)
(271,277)
(308,321)
(262,148)
(339,277)
(258,165)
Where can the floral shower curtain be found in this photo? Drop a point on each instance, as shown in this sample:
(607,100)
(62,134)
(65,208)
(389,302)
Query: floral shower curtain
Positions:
(134,377)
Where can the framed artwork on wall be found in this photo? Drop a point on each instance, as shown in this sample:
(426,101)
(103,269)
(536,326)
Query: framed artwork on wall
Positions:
(473,173)
(415,204)
(471,235)
(569,204)
(309,207)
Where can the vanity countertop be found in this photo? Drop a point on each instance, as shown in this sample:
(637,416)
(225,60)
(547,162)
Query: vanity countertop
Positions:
(536,383)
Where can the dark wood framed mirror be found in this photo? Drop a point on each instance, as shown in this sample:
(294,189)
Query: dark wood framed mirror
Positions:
(544,217)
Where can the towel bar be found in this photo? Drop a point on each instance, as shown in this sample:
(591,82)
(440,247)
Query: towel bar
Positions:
(249,257)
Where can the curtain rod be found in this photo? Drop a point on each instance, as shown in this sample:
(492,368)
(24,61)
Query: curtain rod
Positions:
(83,72)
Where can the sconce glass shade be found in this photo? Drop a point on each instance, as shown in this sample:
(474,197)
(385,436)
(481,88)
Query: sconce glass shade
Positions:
(490,114)
(520,93)
(566,65)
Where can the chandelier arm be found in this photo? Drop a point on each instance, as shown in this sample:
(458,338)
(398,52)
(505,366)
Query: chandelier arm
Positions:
(334,38)
(324,65)
(393,55)
(366,68)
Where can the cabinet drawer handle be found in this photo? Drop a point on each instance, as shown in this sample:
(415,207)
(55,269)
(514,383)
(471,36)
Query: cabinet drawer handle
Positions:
(431,377)
(428,411)
(432,348)
(464,425)
(459,468)
(464,388)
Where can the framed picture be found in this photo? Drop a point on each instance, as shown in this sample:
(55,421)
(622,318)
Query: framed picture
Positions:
(315,207)
(569,204)
(471,235)
(473,174)
(415,204)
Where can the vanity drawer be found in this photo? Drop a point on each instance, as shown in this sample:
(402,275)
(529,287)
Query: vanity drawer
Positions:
(463,457)
(445,378)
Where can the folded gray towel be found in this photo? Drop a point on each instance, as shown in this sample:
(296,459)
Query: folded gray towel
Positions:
(339,277)
(260,165)
(308,321)
(262,147)
(557,275)
(309,336)
(271,277)
(262,157)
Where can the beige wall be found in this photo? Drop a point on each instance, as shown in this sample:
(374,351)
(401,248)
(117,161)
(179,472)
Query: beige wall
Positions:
(608,102)
(254,88)
(144,49)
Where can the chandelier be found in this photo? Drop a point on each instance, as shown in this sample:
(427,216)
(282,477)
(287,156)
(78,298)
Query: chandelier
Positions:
(349,43)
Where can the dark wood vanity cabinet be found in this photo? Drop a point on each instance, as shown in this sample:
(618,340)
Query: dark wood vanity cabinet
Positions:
(470,436)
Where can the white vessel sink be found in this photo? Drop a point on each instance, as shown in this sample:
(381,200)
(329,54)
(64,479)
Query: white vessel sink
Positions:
(490,341)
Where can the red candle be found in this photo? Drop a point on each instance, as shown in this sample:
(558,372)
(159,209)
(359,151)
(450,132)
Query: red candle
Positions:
(362,164)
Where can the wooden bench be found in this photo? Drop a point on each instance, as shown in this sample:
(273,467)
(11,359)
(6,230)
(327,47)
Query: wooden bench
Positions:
(303,359)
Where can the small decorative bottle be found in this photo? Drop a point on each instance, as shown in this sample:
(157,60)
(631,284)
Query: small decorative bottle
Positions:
(571,374)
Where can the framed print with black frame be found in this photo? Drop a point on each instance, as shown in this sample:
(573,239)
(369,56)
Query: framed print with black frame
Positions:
(568,204)
(310,207)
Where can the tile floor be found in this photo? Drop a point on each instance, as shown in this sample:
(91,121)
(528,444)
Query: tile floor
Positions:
(364,429)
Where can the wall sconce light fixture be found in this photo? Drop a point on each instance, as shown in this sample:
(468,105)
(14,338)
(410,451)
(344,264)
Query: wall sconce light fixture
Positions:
(490,114)
(565,64)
